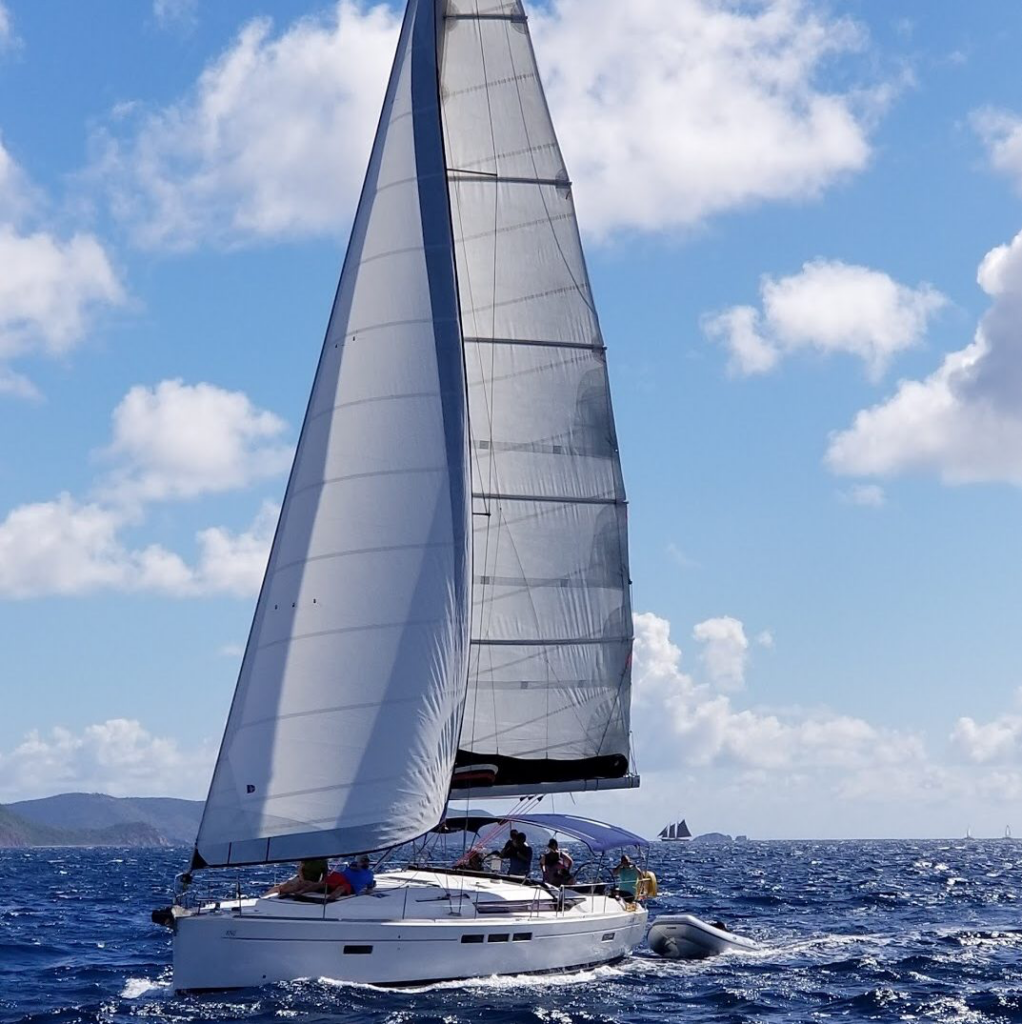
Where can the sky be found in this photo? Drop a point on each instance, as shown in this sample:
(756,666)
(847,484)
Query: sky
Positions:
(804,228)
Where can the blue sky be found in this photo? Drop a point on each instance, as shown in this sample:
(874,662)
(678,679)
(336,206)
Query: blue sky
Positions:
(799,219)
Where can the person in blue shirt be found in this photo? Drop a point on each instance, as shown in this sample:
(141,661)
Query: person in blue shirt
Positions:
(521,856)
(360,875)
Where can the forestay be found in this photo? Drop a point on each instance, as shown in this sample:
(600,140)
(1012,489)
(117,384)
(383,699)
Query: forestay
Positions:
(549,676)
(344,726)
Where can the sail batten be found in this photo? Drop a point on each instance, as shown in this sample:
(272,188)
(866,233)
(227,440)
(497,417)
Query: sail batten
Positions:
(359,644)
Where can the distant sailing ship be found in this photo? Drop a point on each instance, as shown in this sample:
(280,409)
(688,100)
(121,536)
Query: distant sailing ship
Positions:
(674,832)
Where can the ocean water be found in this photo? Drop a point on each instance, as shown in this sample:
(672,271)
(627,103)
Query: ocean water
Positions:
(849,931)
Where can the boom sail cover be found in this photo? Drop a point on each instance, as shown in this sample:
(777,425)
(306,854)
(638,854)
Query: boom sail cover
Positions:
(549,677)
(344,727)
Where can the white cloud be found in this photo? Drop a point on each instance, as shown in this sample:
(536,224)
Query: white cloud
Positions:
(678,556)
(7,37)
(765,639)
(170,441)
(61,547)
(178,440)
(272,142)
(963,422)
(234,563)
(50,289)
(65,548)
(17,384)
(176,13)
(1001,132)
(828,307)
(118,757)
(17,195)
(997,740)
(725,651)
(668,113)
(681,721)
(867,495)
(671,112)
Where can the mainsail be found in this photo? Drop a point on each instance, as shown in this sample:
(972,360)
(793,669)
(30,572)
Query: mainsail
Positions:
(344,727)
(549,676)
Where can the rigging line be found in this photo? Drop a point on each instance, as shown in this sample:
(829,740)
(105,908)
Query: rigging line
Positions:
(586,298)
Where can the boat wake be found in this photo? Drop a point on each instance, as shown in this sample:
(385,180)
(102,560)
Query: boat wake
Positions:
(136,988)
(496,982)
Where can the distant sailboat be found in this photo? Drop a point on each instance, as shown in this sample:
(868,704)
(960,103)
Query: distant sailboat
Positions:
(675,832)
(446,608)
(1007,832)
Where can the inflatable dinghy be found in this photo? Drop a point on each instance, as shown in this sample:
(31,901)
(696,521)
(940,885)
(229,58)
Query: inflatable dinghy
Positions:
(685,937)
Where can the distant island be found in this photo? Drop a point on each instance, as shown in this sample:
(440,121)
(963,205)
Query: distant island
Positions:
(94,819)
(719,837)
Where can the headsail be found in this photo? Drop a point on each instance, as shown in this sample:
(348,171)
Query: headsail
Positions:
(549,677)
(344,727)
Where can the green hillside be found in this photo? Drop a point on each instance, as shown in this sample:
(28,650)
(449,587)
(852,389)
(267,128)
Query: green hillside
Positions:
(17,831)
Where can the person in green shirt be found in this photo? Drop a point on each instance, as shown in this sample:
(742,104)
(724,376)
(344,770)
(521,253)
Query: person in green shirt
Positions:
(311,874)
(627,875)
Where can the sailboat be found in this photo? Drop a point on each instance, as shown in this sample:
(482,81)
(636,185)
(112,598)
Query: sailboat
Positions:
(445,612)
(674,831)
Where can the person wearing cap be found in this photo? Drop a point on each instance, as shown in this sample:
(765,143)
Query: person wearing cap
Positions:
(509,847)
(360,875)
(627,875)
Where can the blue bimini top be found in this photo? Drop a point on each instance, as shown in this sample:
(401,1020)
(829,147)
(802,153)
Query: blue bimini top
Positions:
(597,835)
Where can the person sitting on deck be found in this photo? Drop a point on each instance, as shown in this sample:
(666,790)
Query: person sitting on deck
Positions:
(627,875)
(337,885)
(310,876)
(360,875)
(556,865)
(475,861)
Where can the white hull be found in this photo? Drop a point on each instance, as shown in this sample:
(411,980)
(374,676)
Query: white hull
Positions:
(419,926)
(686,937)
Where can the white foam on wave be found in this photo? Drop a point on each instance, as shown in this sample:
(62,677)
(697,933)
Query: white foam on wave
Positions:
(493,983)
(135,988)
